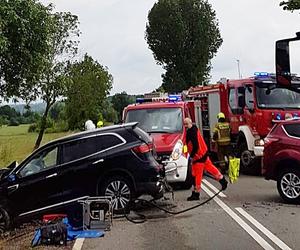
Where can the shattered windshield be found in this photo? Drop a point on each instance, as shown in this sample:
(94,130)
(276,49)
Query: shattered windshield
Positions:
(160,120)
(277,98)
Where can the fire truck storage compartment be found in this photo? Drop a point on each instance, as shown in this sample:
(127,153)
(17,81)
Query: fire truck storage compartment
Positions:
(206,111)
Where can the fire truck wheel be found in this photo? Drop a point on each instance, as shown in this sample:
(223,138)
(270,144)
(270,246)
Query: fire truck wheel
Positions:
(248,164)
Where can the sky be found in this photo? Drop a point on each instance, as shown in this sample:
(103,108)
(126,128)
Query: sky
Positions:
(113,34)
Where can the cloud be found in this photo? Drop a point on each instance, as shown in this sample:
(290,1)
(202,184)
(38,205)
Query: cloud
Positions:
(113,33)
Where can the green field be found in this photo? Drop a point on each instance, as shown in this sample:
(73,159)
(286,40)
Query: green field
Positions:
(16,143)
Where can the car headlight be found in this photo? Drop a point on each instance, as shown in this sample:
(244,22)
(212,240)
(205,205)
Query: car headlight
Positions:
(177,150)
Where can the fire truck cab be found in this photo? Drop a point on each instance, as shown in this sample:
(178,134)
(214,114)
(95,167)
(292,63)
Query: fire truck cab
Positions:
(251,106)
(162,118)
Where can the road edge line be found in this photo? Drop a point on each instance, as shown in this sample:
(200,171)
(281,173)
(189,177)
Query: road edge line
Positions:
(211,186)
(78,244)
(263,229)
(263,243)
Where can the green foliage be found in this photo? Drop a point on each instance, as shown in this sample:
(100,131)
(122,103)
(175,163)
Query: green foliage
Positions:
(120,101)
(25,26)
(13,122)
(7,111)
(109,113)
(184,37)
(3,121)
(33,128)
(87,89)
(291,5)
(57,111)
(64,44)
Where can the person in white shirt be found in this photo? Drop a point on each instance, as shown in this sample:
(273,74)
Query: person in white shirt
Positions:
(89,125)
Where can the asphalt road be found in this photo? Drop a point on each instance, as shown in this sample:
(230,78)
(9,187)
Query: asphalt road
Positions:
(250,215)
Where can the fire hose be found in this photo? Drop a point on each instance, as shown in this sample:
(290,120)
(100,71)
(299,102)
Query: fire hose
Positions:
(142,218)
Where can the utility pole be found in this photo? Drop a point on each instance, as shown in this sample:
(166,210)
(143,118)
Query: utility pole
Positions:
(238,65)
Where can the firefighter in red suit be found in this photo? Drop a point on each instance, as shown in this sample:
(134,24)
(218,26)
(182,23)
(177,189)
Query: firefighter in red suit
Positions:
(199,159)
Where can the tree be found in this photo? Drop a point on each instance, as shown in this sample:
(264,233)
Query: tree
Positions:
(87,89)
(184,36)
(291,5)
(25,26)
(120,101)
(57,110)
(109,113)
(52,84)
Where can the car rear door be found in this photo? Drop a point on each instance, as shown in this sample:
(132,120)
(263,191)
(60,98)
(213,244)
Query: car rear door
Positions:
(37,184)
(84,161)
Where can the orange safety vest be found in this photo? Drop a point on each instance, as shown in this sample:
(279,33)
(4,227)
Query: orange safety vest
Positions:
(202,150)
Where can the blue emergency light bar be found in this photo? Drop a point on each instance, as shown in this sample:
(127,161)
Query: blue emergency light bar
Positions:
(169,98)
(174,98)
(261,74)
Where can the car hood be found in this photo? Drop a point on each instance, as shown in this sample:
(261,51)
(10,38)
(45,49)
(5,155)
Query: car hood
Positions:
(165,142)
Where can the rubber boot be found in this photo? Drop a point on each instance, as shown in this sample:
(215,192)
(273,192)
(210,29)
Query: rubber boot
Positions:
(194,197)
(224,183)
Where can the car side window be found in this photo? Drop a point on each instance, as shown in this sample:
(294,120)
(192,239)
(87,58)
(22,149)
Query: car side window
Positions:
(84,147)
(41,161)
(293,129)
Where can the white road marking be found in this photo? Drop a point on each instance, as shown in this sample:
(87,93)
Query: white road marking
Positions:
(213,188)
(270,235)
(264,244)
(78,244)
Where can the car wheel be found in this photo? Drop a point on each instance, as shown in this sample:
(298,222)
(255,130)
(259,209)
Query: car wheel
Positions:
(249,165)
(288,185)
(5,220)
(121,191)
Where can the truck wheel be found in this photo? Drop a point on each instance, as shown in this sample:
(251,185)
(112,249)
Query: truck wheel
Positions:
(288,185)
(5,220)
(189,180)
(249,165)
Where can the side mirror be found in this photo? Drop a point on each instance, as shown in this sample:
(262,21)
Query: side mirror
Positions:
(282,64)
(12,177)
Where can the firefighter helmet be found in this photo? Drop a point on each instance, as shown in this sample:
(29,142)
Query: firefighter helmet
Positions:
(220,115)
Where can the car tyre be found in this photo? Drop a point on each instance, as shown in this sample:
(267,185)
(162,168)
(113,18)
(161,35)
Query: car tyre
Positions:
(5,220)
(288,185)
(121,190)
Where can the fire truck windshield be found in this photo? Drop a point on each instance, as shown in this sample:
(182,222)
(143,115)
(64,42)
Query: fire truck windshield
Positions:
(277,98)
(158,120)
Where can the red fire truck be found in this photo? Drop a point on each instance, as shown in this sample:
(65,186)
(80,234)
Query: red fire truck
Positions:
(162,117)
(251,106)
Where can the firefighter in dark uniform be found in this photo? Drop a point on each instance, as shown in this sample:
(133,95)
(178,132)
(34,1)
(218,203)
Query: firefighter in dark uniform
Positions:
(199,159)
(222,138)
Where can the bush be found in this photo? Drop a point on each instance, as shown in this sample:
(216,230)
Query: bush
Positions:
(33,128)
(61,126)
(13,122)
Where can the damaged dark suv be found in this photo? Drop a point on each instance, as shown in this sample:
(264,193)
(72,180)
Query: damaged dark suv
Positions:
(114,161)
